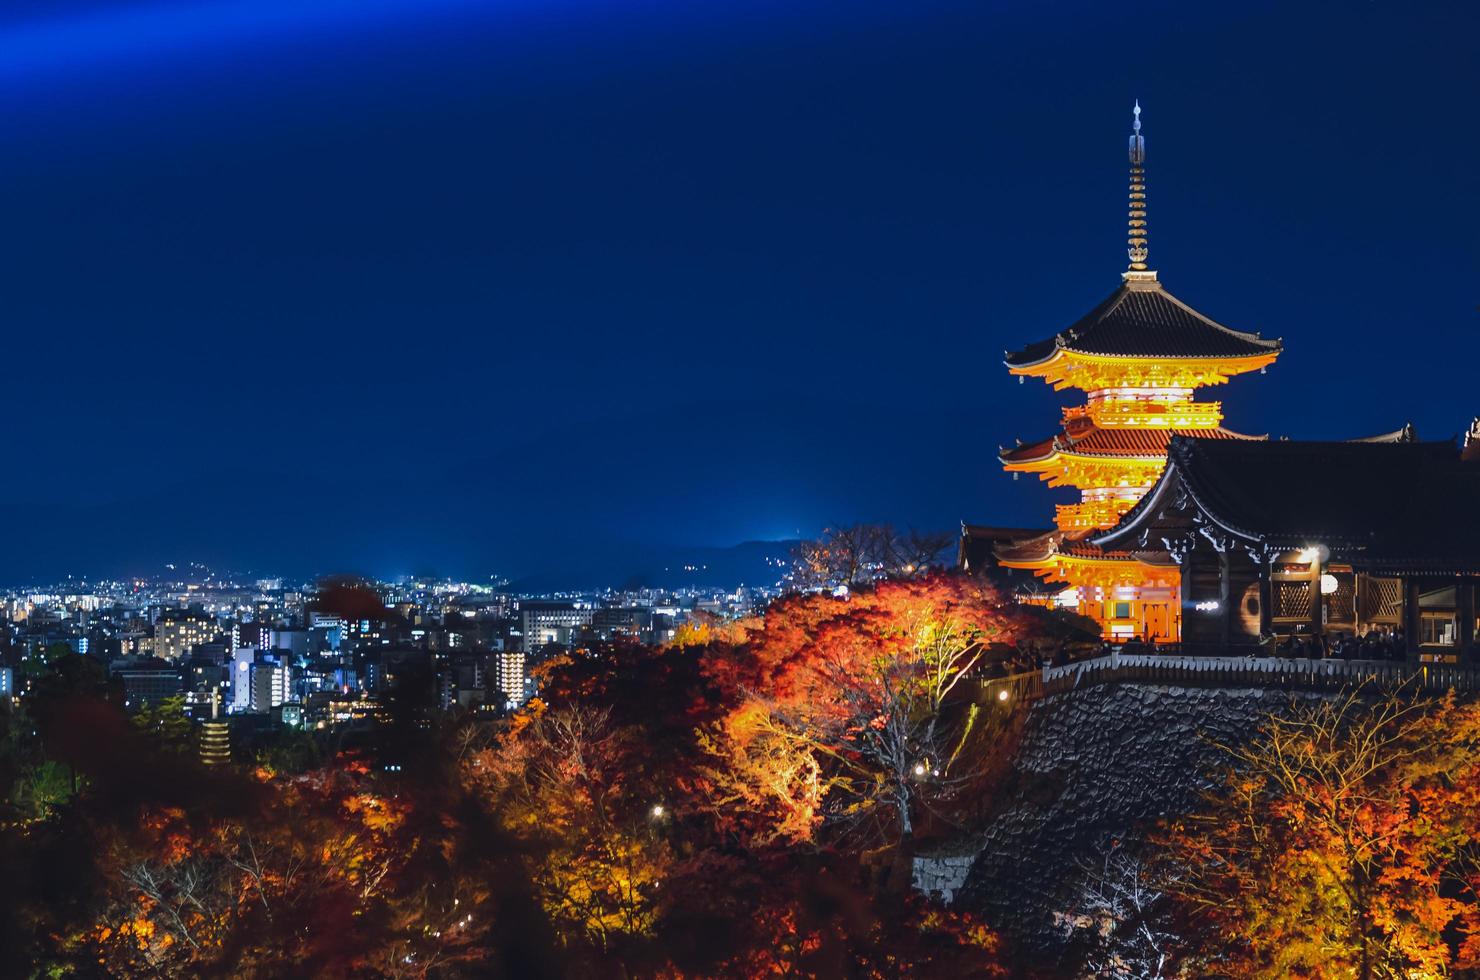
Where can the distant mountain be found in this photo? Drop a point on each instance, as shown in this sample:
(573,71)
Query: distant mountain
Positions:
(747,563)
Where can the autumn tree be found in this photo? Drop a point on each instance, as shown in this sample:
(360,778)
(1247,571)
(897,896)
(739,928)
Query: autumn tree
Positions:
(762,781)
(1341,844)
(1121,916)
(853,555)
(815,913)
(566,784)
(847,710)
(322,874)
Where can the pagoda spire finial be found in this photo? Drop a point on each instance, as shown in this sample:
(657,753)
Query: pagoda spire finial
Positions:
(1136,249)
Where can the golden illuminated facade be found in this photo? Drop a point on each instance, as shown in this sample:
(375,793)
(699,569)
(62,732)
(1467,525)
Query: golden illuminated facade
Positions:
(1139,357)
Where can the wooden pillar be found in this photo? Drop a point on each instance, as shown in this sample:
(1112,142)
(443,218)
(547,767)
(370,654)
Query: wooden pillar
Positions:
(1317,601)
(1225,603)
(1189,629)
(1266,596)
(1410,615)
(1464,600)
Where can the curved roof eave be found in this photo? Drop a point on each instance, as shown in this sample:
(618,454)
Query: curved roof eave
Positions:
(1176,317)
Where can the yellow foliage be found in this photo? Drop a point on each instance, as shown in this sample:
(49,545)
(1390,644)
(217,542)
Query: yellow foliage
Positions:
(692,635)
(763,776)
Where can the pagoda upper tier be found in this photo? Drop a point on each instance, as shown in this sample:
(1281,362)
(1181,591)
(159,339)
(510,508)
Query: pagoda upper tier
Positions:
(1112,466)
(1085,443)
(1143,337)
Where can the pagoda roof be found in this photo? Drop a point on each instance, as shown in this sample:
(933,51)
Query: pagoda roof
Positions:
(1085,438)
(1143,320)
(1395,505)
(981,542)
(1046,546)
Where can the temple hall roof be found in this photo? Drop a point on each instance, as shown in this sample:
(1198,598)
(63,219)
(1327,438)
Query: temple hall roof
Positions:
(1388,504)
(1141,319)
(1405,434)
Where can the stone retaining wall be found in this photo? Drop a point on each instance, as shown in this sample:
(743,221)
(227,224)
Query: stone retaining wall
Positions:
(1093,763)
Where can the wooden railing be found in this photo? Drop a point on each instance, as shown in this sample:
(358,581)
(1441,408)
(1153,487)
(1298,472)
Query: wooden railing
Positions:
(1260,672)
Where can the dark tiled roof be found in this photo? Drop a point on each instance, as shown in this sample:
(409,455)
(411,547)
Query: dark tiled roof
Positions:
(1396,504)
(1049,543)
(1405,434)
(981,543)
(1144,320)
(1091,440)
(1039,548)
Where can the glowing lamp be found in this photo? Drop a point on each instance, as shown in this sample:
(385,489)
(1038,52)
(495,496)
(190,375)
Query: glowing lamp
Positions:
(1002,694)
(1328,583)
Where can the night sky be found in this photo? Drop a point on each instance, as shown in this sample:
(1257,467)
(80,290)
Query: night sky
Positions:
(403,285)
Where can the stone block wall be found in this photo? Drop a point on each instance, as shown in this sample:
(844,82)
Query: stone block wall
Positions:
(1093,763)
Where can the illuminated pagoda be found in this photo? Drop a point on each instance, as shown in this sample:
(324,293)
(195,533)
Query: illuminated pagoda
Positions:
(215,739)
(1138,356)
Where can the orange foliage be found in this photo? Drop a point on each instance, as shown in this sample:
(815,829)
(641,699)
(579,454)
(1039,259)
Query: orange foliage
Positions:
(761,781)
(559,782)
(1342,845)
(264,891)
(841,704)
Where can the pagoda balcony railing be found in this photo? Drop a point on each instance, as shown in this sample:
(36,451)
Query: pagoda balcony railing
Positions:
(1148,415)
(1091,514)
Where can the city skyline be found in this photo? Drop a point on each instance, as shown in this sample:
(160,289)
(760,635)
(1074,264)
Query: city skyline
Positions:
(753,564)
(401,286)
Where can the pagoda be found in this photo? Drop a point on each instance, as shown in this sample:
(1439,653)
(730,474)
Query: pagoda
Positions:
(215,738)
(1139,357)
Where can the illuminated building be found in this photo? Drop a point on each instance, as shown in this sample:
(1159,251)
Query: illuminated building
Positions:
(511,677)
(146,681)
(1139,357)
(242,659)
(1393,547)
(543,623)
(271,684)
(176,632)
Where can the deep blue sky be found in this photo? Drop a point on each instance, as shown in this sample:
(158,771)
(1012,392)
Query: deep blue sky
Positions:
(507,286)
